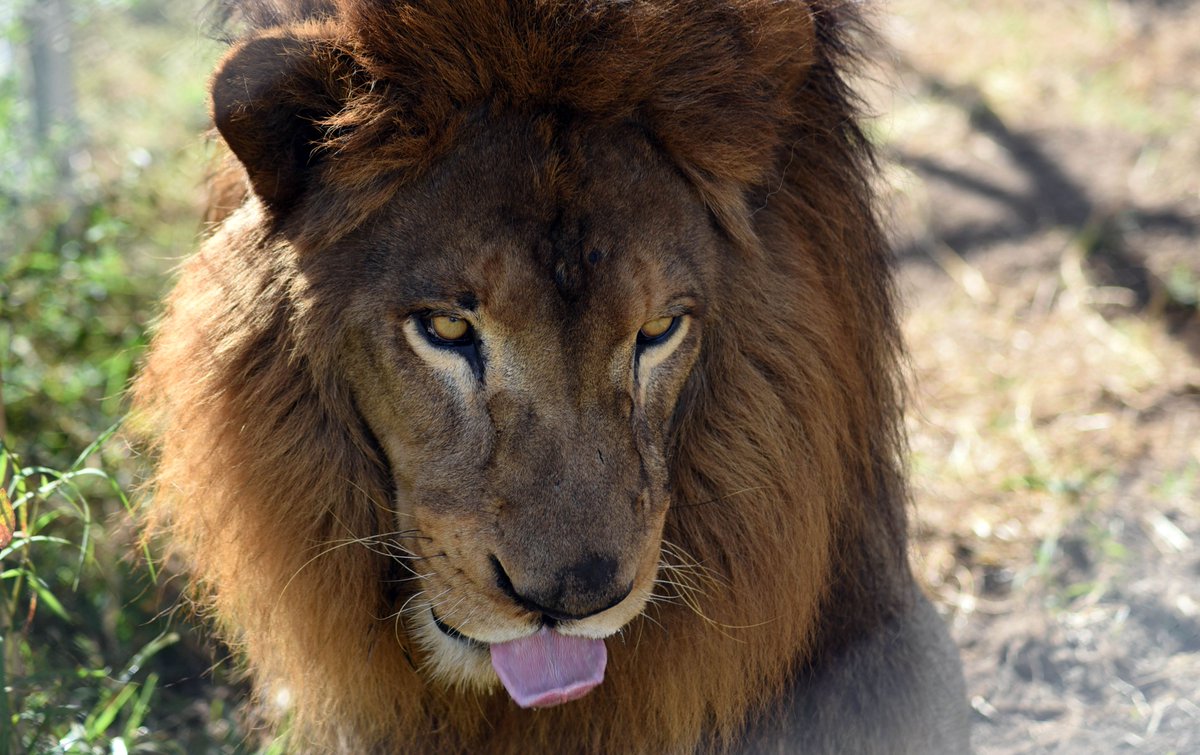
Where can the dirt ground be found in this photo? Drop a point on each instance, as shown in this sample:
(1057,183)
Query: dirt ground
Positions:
(1045,170)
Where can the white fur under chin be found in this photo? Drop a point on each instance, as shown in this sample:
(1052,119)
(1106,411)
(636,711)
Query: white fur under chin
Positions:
(449,661)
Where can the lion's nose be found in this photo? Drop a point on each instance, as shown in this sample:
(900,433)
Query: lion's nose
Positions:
(575,592)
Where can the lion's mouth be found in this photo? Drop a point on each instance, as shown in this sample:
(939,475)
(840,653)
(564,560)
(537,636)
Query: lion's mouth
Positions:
(542,669)
(454,634)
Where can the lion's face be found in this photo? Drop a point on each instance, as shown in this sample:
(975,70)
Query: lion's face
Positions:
(518,344)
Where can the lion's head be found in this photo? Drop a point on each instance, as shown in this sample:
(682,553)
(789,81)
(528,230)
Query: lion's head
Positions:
(546,335)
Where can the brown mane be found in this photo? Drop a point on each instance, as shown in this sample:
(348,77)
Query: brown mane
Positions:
(786,474)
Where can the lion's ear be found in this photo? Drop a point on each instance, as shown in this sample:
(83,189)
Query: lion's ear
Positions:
(269,97)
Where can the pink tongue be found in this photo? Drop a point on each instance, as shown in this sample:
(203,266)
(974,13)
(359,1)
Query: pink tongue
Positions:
(548,668)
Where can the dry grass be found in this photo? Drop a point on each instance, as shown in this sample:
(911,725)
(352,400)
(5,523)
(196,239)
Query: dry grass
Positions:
(1029,411)
(1048,212)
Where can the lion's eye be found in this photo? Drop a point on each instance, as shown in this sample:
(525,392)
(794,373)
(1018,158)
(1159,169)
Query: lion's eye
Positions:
(656,330)
(450,335)
(446,330)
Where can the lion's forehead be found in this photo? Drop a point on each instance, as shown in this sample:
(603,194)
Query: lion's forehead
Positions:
(500,222)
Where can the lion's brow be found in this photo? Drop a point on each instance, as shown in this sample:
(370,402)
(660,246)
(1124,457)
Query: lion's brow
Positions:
(429,293)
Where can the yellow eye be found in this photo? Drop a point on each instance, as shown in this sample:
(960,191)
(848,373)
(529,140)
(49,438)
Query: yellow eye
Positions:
(656,329)
(449,328)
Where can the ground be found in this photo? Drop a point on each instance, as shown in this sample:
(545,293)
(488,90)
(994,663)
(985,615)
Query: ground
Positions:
(1043,170)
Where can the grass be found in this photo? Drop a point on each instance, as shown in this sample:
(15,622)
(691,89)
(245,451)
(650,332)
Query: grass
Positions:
(47,545)
(1048,374)
(1096,68)
(1054,420)
(1021,410)
(88,660)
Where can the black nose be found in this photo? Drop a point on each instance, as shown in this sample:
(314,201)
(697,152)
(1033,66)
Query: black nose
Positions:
(575,592)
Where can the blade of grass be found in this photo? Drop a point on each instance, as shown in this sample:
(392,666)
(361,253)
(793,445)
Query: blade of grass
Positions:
(23,543)
(95,444)
(150,650)
(98,722)
(141,707)
(45,520)
(48,598)
(9,730)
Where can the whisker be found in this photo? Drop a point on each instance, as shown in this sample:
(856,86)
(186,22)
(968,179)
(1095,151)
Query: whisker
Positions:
(400,580)
(718,499)
(404,607)
(448,614)
(305,565)
(652,620)
(685,582)
(689,562)
(372,499)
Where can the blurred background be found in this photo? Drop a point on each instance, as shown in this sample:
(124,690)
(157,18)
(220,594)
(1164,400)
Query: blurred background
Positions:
(1042,174)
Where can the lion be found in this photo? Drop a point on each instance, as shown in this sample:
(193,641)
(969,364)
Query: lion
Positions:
(538,388)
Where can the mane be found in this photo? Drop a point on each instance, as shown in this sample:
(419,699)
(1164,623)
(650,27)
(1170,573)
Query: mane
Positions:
(788,500)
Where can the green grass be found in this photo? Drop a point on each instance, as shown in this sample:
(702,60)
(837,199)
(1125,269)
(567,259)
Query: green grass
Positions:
(90,660)
(48,549)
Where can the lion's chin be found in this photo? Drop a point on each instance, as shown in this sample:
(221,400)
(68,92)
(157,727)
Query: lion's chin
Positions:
(455,662)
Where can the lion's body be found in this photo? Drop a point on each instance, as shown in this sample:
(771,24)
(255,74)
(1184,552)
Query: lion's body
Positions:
(706,143)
